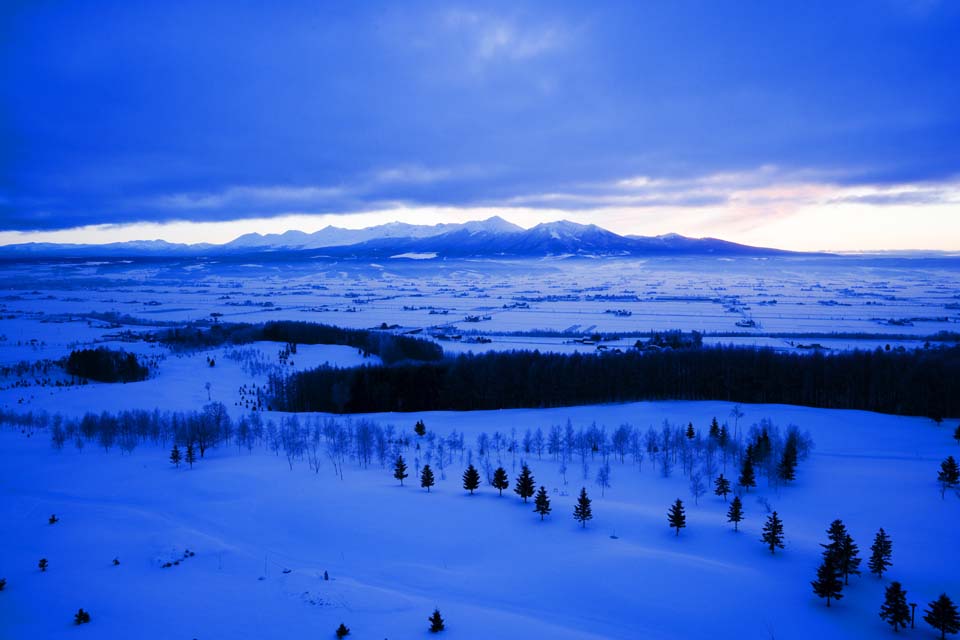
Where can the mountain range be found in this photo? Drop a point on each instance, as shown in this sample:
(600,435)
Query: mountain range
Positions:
(490,238)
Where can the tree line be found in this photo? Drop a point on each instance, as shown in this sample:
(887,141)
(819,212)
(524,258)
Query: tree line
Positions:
(106,365)
(390,347)
(923,382)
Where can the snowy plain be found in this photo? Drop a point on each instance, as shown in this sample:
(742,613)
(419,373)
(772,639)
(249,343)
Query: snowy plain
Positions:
(264,534)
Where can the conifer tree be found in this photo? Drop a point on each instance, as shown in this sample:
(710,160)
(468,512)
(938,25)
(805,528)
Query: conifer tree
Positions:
(894,610)
(735,513)
(420,429)
(714,429)
(400,469)
(849,558)
(426,477)
(941,614)
(786,468)
(81,617)
(773,532)
(880,553)
(691,434)
(582,511)
(747,477)
(500,480)
(42,565)
(676,516)
(542,503)
(721,487)
(949,475)
(525,486)
(342,631)
(436,621)
(3,584)
(828,584)
(956,434)
(191,456)
(175,456)
(471,479)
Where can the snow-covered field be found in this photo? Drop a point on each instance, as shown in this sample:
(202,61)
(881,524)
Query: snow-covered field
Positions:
(263,535)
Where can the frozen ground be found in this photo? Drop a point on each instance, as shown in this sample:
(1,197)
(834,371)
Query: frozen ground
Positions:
(487,562)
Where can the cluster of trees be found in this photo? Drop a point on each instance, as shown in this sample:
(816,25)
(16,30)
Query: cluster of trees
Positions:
(106,365)
(921,382)
(390,347)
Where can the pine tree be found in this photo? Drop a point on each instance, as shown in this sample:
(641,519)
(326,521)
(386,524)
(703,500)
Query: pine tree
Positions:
(542,503)
(956,434)
(3,584)
(81,617)
(420,429)
(747,477)
(471,479)
(828,584)
(942,615)
(691,434)
(342,631)
(582,511)
(721,487)
(894,610)
(191,455)
(836,533)
(714,429)
(676,516)
(773,532)
(949,475)
(525,486)
(786,469)
(400,469)
(436,621)
(426,477)
(849,558)
(175,456)
(500,480)
(735,513)
(42,565)
(880,552)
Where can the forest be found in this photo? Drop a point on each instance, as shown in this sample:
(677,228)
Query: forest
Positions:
(106,365)
(922,382)
(389,347)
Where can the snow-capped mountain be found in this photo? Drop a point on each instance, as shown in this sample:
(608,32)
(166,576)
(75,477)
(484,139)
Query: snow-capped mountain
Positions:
(493,237)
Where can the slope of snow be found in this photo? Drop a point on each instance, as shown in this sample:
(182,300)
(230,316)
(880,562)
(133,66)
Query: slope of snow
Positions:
(488,563)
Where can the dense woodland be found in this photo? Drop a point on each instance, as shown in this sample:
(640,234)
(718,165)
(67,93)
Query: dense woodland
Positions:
(106,365)
(391,348)
(923,382)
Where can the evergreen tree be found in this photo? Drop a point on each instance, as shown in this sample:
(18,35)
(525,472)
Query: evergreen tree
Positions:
(721,487)
(828,584)
(949,474)
(42,565)
(3,584)
(894,610)
(786,469)
(941,614)
(342,631)
(191,455)
(956,434)
(81,617)
(849,558)
(426,477)
(400,469)
(500,480)
(525,486)
(773,532)
(714,429)
(747,477)
(420,429)
(724,439)
(436,621)
(676,516)
(691,434)
(735,513)
(175,456)
(880,553)
(471,479)
(542,503)
(582,511)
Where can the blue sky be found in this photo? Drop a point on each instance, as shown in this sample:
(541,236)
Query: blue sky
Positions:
(802,124)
